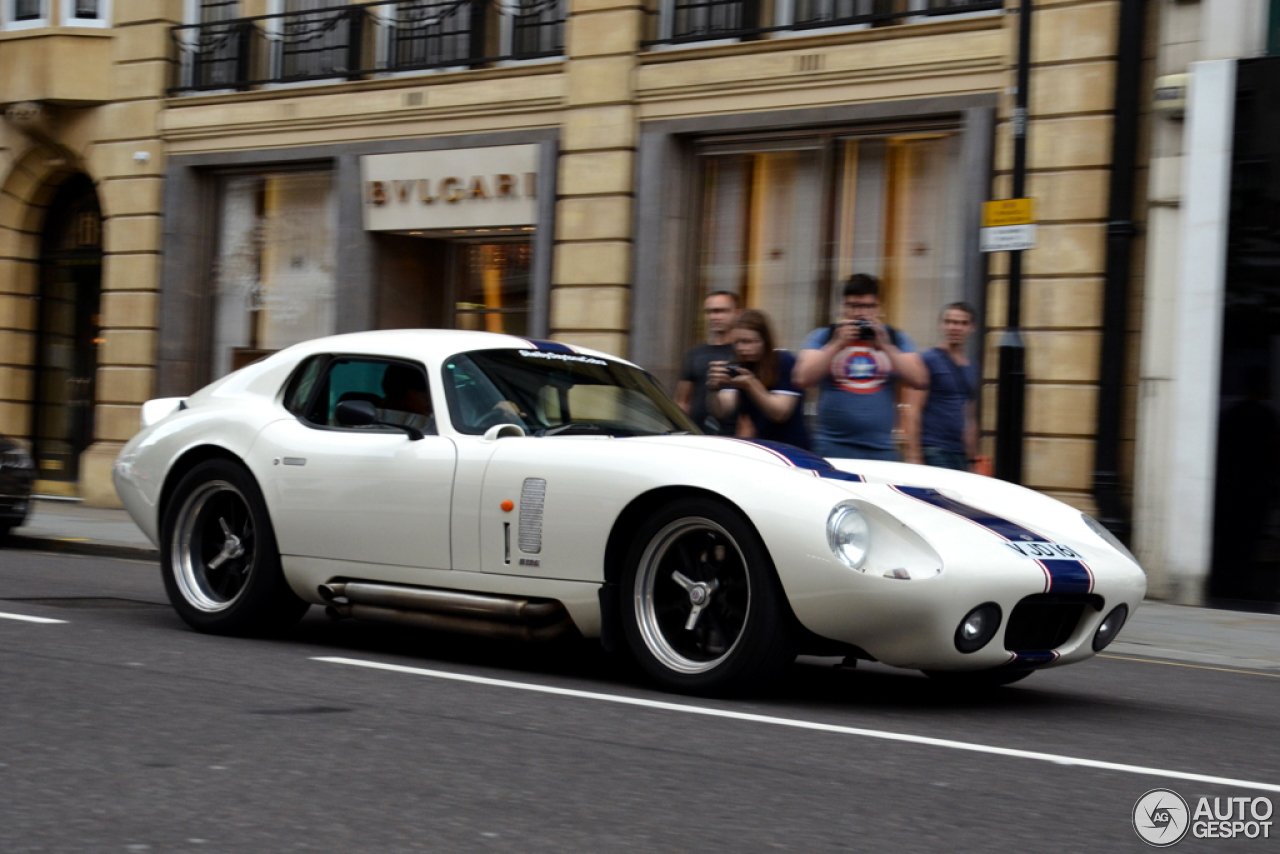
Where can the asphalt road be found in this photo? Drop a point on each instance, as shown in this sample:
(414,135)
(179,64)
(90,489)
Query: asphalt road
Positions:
(122,730)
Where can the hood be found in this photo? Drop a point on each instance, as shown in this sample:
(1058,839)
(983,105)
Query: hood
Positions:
(1016,504)
(760,450)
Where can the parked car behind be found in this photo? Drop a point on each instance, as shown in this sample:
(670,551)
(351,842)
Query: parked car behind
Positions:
(17,473)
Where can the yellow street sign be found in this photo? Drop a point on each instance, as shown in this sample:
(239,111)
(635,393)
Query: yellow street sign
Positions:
(1007,212)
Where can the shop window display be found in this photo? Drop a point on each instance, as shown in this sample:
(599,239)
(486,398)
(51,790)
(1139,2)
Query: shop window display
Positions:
(493,291)
(274,279)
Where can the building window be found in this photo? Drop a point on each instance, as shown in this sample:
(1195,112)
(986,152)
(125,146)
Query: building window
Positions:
(536,27)
(274,279)
(213,11)
(896,216)
(23,14)
(86,13)
(493,291)
(693,21)
(315,39)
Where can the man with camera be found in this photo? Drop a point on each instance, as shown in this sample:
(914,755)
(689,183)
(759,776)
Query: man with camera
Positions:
(720,309)
(856,364)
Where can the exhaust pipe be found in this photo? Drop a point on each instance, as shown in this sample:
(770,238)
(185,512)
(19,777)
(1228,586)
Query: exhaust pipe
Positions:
(449,623)
(501,617)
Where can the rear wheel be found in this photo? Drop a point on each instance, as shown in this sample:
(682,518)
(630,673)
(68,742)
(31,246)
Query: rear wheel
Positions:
(702,608)
(218,555)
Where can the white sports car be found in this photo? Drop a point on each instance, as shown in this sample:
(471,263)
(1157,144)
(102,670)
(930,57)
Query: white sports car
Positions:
(523,489)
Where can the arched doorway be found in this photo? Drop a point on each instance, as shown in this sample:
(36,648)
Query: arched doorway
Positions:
(68,333)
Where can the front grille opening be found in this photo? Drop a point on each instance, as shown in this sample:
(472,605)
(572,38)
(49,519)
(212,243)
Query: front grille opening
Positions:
(1047,620)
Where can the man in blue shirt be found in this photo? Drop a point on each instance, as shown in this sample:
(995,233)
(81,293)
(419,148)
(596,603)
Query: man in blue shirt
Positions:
(942,429)
(856,365)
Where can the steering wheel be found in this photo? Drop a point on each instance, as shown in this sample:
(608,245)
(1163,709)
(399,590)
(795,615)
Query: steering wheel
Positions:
(496,416)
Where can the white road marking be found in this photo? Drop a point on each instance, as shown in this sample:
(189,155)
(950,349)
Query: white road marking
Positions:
(24,618)
(883,735)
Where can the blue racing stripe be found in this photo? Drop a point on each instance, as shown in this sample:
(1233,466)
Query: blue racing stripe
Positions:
(1065,575)
(550,346)
(802,459)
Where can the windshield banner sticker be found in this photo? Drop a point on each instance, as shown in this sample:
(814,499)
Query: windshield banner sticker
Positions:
(562,357)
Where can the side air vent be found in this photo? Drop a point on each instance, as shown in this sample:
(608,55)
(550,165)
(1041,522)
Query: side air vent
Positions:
(532,496)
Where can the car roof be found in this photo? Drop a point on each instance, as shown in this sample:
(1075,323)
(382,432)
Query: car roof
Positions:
(432,344)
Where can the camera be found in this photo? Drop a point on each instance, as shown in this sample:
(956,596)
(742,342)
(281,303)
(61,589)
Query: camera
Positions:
(866,329)
(734,370)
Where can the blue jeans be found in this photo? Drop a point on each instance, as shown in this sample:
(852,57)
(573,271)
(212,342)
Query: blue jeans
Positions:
(840,450)
(943,459)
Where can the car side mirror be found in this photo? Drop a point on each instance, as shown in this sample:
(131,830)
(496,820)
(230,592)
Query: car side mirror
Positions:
(355,413)
(498,431)
(362,413)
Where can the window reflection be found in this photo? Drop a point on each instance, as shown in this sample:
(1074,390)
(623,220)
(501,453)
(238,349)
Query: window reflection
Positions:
(493,291)
(274,281)
(896,216)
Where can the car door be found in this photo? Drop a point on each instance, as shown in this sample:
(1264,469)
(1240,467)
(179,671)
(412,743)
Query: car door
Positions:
(364,494)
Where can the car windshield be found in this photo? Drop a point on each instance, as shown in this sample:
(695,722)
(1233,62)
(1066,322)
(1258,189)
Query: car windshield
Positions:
(550,393)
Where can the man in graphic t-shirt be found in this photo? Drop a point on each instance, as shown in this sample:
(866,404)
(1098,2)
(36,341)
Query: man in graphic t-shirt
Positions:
(856,365)
(721,310)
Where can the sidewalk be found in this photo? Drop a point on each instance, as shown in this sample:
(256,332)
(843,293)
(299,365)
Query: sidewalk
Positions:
(66,526)
(1198,636)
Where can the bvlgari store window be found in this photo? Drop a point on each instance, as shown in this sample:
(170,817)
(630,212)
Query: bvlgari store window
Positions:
(274,279)
(895,214)
(455,235)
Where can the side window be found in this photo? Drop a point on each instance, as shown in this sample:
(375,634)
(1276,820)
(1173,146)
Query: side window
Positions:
(302,383)
(397,390)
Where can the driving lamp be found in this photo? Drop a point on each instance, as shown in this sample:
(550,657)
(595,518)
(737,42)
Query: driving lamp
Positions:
(978,627)
(1110,627)
(849,535)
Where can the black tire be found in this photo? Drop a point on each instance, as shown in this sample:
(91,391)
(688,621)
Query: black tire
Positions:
(977,680)
(743,636)
(218,555)
(4,534)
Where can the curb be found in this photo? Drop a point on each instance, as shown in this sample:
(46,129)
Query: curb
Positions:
(81,547)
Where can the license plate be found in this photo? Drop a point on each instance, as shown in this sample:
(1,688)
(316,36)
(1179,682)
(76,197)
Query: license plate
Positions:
(1044,551)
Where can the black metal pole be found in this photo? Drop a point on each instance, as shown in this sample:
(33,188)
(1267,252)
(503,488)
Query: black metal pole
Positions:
(1120,234)
(1011,407)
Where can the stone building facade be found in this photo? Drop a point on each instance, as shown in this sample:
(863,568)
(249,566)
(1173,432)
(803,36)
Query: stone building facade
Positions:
(81,168)
(676,147)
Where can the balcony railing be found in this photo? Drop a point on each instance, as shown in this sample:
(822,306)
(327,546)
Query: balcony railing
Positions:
(365,39)
(684,21)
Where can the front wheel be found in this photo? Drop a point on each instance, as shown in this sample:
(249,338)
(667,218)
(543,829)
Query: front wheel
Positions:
(219,558)
(702,608)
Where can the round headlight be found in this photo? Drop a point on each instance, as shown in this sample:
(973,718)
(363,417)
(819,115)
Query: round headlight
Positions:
(1112,540)
(1110,627)
(849,535)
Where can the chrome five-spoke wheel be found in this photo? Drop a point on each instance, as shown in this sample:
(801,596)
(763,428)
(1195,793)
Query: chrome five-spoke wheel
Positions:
(692,594)
(702,609)
(218,554)
(215,548)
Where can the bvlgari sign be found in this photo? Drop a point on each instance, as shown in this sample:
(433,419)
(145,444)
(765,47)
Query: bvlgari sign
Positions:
(491,187)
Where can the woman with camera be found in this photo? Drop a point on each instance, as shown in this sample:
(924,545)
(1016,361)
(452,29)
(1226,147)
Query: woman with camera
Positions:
(755,391)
